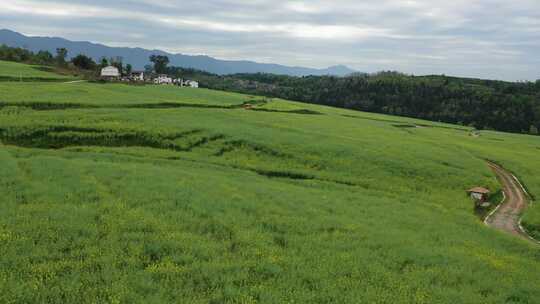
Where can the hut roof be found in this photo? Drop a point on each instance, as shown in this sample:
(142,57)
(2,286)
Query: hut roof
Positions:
(479,190)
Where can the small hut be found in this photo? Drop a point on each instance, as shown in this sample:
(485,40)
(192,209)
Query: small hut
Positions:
(479,194)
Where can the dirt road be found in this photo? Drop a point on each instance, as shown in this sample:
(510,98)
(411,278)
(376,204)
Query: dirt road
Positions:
(508,215)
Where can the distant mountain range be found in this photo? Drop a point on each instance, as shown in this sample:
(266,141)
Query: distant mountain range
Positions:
(138,57)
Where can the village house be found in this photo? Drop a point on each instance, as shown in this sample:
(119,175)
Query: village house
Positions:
(163,79)
(110,72)
(191,84)
(137,76)
(479,194)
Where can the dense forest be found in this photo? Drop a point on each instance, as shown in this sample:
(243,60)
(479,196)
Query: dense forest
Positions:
(484,104)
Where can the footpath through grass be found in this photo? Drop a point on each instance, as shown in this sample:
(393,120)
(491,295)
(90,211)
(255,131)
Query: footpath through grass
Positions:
(226,205)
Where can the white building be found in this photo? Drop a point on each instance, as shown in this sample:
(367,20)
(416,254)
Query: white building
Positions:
(191,83)
(137,76)
(163,79)
(110,71)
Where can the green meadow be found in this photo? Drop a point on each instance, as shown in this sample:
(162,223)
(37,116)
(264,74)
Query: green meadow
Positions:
(12,71)
(107,95)
(112,193)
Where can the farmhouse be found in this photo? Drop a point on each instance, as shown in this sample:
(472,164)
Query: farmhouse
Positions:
(137,75)
(163,79)
(110,72)
(479,194)
(191,84)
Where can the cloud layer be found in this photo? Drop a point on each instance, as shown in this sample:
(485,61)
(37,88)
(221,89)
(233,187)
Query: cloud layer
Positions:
(497,39)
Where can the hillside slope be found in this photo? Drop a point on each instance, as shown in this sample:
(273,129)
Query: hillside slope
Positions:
(114,193)
(482,103)
(12,71)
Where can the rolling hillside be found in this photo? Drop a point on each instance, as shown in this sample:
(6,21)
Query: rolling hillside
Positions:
(135,194)
(12,71)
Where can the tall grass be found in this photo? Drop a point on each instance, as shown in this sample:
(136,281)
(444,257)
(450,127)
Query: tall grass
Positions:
(226,205)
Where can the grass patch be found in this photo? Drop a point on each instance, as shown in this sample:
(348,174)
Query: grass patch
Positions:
(90,94)
(116,194)
(12,71)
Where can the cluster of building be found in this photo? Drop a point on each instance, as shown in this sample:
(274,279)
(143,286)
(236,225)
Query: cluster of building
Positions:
(164,79)
(112,73)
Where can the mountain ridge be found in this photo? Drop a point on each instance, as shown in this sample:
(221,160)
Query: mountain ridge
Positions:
(138,57)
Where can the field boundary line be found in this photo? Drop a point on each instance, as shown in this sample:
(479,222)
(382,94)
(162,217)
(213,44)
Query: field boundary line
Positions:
(496,209)
(525,232)
(531,202)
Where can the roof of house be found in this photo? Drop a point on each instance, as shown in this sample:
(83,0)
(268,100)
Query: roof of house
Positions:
(111,68)
(479,190)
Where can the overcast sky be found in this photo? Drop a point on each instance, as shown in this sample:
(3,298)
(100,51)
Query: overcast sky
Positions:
(497,39)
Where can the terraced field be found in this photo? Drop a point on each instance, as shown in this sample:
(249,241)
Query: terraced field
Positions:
(123,194)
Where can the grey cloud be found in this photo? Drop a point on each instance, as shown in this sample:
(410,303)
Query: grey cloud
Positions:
(478,38)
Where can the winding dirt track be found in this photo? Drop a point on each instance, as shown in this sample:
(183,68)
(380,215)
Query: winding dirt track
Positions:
(507,217)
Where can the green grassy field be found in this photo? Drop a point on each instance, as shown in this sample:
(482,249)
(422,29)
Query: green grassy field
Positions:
(13,71)
(105,202)
(110,95)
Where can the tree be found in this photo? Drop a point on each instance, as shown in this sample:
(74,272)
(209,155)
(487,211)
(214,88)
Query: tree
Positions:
(148,69)
(117,63)
(83,62)
(104,62)
(61,54)
(533,130)
(44,57)
(129,69)
(160,63)
(15,54)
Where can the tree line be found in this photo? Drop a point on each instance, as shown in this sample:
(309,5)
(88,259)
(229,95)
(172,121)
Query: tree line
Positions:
(483,104)
(60,59)
(80,62)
